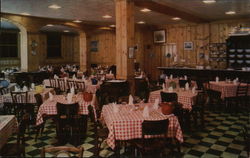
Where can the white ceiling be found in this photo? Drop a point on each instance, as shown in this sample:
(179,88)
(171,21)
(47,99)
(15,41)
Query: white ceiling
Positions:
(215,11)
(59,28)
(93,10)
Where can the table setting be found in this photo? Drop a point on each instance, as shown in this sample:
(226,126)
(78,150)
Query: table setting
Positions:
(124,120)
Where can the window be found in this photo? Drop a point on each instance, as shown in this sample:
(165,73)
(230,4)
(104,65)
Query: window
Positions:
(53,45)
(8,44)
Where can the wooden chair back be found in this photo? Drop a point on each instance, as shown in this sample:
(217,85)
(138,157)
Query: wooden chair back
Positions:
(4,90)
(67,111)
(53,82)
(63,151)
(80,86)
(19,97)
(39,99)
(159,127)
(62,84)
(169,97)
(71,83)
(182,83)
(242,90)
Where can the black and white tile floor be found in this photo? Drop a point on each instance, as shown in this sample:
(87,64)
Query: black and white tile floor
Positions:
(221,137)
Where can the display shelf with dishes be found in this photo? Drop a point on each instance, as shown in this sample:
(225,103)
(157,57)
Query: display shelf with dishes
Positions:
(217,54)
(238,52)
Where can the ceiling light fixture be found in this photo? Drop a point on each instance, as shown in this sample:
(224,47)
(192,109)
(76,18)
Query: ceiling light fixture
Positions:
(145,10)
(49,25)
(77,21)
(176,18)
(54,6)
(107,16)
(230,12)
(111,25)
(104,28)
(209,1)
(66,31)
(25,13)
(140,22)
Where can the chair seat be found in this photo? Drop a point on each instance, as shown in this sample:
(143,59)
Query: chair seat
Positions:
(150,144)
(12,149)
(103,132)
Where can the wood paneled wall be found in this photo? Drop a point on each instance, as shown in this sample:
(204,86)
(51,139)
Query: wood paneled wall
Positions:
(106,48)
(70,44)
(149,55)
(200,34)
(69,51)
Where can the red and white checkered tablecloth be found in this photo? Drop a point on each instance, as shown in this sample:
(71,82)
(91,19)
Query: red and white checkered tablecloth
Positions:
(127,123)
(49,107)
(8,125)
(88,85)
(31,96)
(186,98)
(110,76)
(226,89)
(176,80)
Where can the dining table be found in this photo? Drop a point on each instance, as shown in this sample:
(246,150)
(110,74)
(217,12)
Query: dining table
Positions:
(227,89)
(89,87)
(126,122)
(186,97)
(31,95)
(8,126)
(48,108)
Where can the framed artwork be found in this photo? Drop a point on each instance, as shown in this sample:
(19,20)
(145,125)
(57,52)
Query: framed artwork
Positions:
(188,45)
(159,36)
(131,51)
(94,46)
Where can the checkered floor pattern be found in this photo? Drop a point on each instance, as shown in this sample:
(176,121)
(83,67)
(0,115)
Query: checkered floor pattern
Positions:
(221,137)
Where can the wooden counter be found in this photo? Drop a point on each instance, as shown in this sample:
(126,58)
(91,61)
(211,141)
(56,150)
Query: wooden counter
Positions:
(206,74)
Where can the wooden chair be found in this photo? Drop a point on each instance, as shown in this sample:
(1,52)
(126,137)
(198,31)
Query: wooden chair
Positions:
(214,98)
(22,107)
(169,97)
(198,109)
(19,100)
(100,132)
(54,84)
(4,90)
(62,85)
(39,102)
(142,89)
(182,83)
(16,149)
(153,146)
(63,151)
(242,94)
(71,83)
(80,86)
(68,122)
(241,99)
(246,136)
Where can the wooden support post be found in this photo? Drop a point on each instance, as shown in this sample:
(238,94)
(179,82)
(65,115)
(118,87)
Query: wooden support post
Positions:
(125,31)
(83,51)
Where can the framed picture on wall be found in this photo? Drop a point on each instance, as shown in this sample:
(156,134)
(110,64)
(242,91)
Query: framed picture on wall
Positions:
(188,45)
(160,36)
(94,46)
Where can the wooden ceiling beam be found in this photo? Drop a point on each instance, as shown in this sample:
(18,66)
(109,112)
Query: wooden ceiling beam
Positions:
(169,11)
